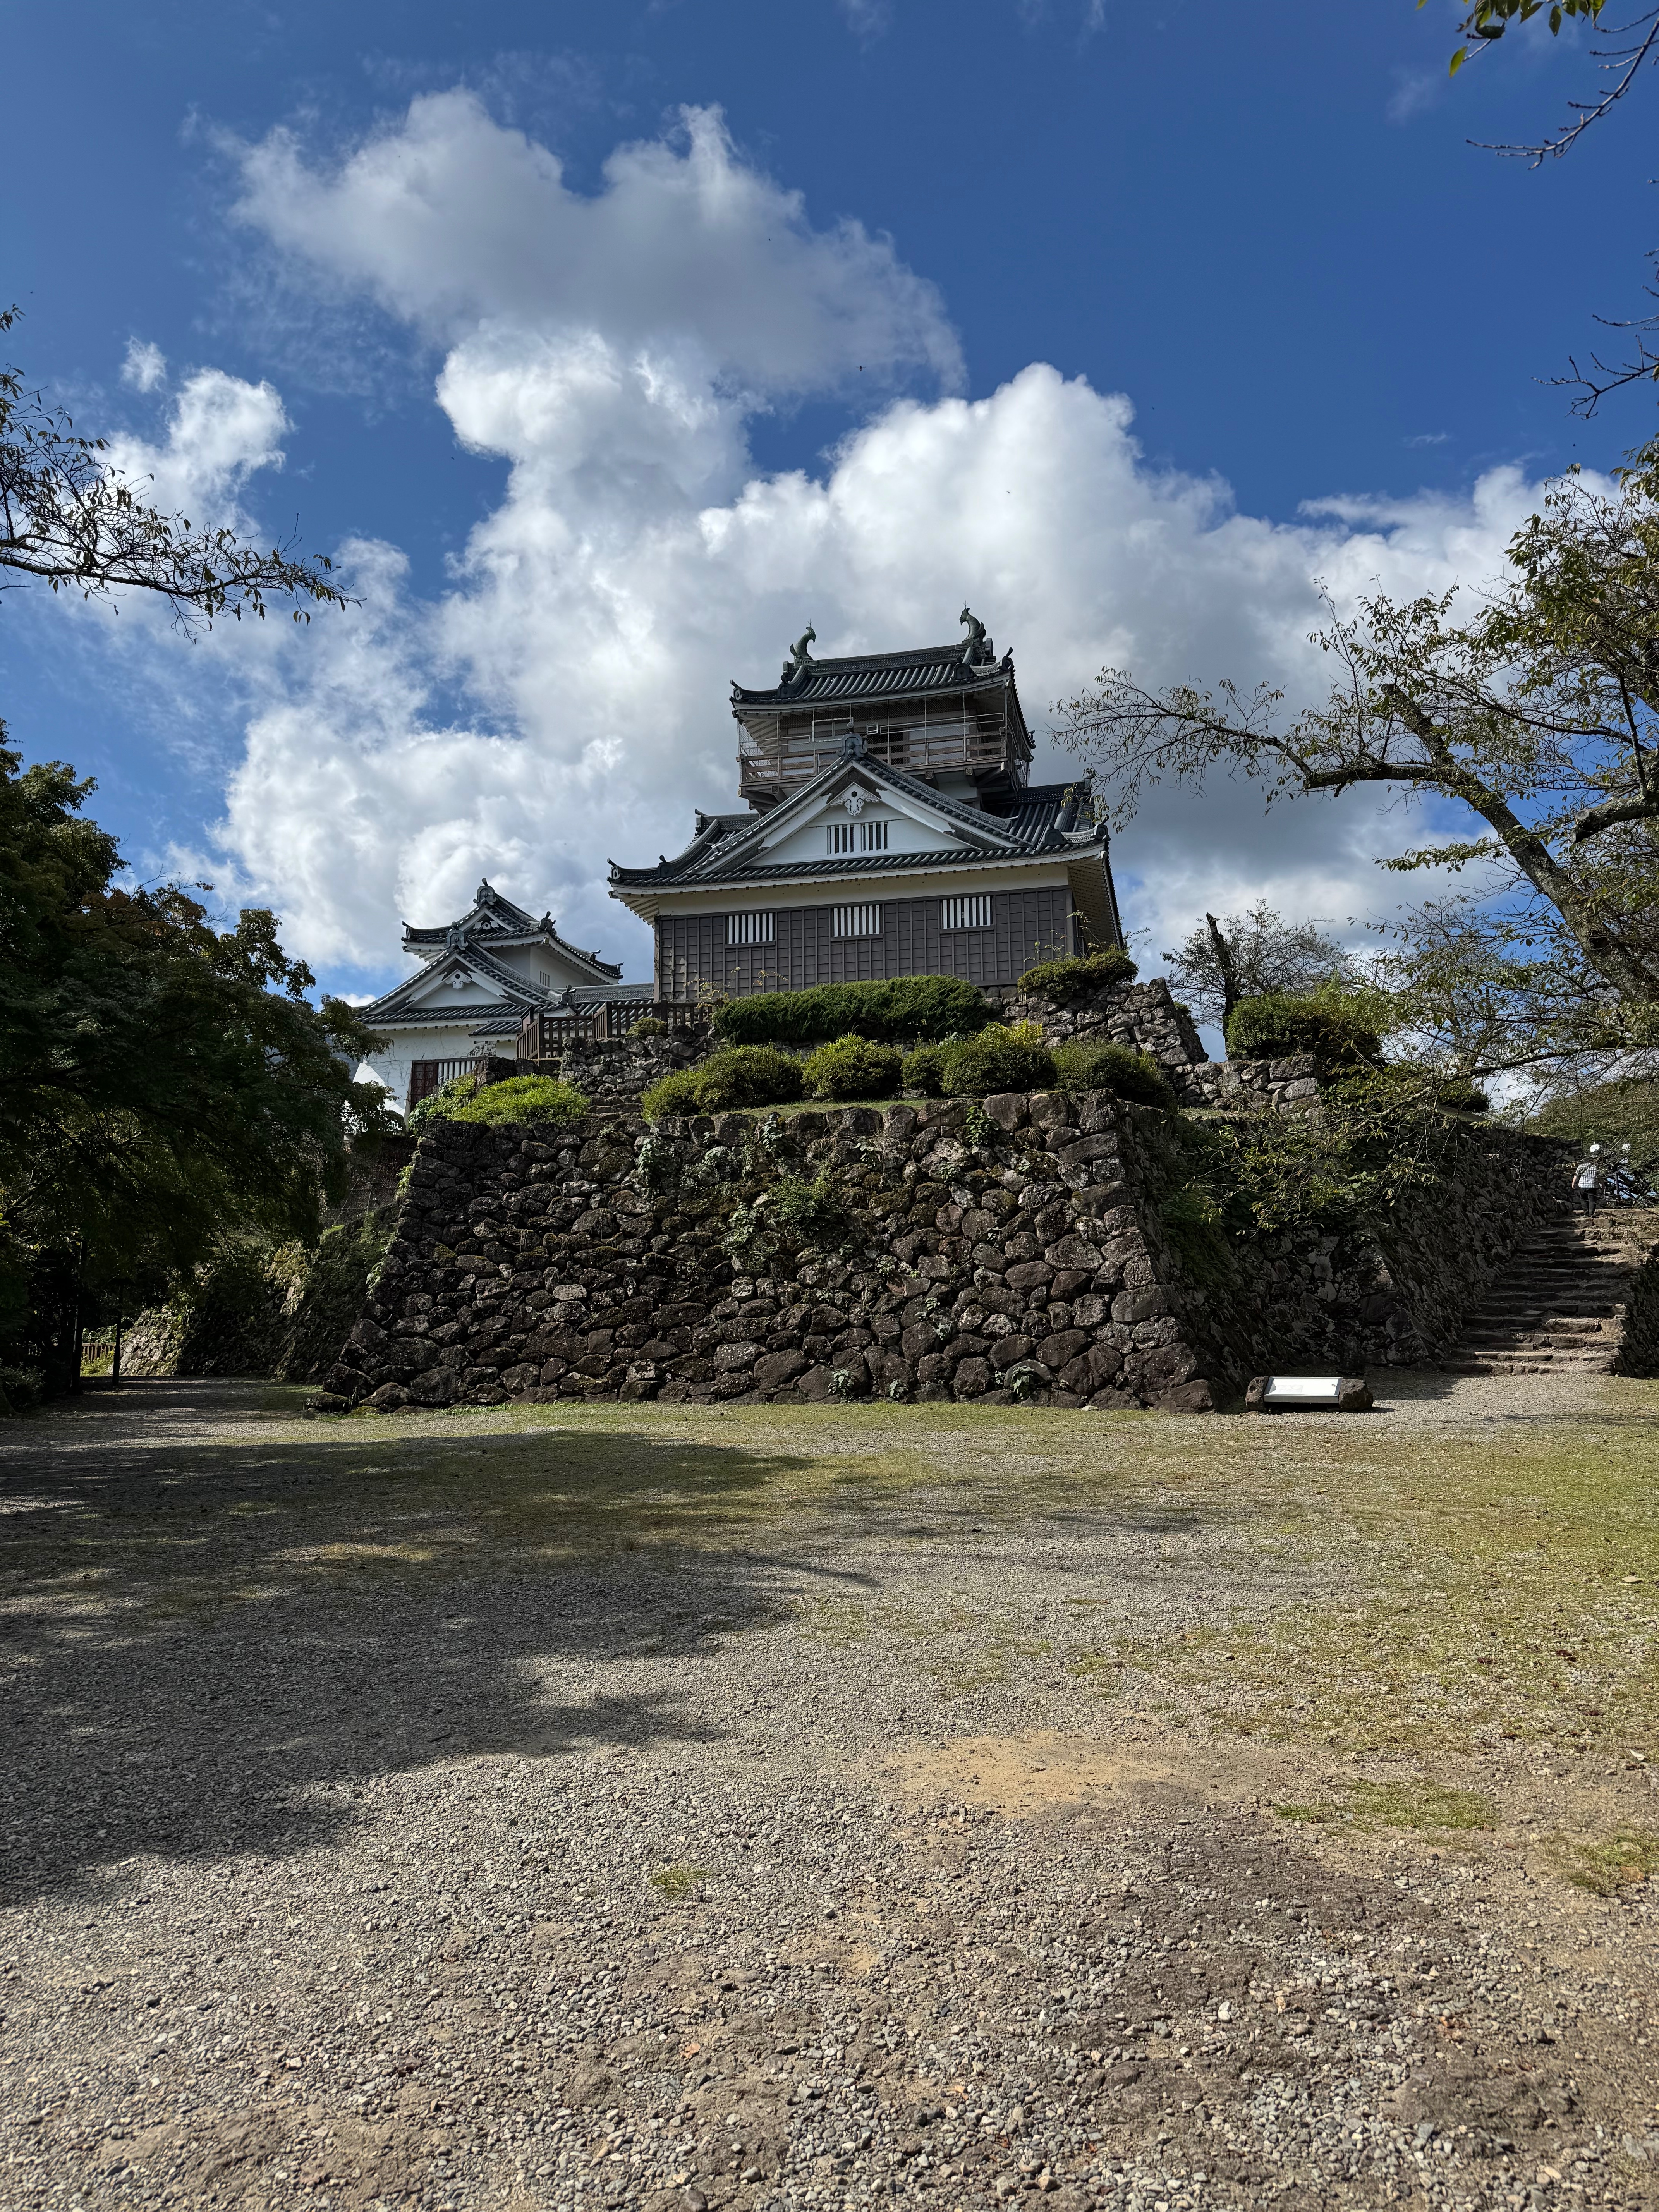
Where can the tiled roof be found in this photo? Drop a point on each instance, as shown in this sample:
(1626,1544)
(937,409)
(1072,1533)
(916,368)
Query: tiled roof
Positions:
(491,916)
(400,1000)
(725,849)
(881,675)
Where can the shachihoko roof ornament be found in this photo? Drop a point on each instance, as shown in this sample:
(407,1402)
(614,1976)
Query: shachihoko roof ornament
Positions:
(800,659)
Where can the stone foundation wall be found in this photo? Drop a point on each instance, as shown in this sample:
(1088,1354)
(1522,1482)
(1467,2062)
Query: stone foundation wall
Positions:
(1146,1016)
(615,1070)
(1024,1249)
(993,1255)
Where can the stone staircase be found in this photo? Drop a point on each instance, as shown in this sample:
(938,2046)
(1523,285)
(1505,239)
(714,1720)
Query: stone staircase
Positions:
(1557,1307)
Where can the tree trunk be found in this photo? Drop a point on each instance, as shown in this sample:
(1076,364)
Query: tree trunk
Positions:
(1231,992)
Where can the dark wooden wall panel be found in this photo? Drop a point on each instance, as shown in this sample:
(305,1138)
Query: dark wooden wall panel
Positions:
(693,960)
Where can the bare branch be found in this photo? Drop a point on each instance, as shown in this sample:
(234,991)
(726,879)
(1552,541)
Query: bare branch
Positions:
(70,521)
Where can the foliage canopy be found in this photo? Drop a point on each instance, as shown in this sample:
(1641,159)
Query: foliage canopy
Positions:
(1539,716)
(163,1082)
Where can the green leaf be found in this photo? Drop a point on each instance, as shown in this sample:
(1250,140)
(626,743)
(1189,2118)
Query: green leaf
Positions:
(1458,59)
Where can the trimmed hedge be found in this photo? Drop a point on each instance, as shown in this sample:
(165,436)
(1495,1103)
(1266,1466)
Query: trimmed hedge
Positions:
(998,1059)
(520,1098)
(1118,1068)
(1062,980)
(745,1075)
(852,1068)
(924,1069)
(919,1006)
(1276,1026)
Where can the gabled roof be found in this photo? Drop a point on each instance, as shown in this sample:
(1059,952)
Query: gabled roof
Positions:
(412,999)
(881,675)
(492,918)
(732,849)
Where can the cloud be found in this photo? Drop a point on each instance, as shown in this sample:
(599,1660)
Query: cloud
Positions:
(145,366)
(452,224)
(221,431)
(1415,91)
(867,19)
(612,350)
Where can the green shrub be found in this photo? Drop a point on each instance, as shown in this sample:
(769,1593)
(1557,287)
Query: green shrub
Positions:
(649,1027)
(746,1075)
(1462,1095)
(805,1210)
(924,1069)
(438,1105)
(670,1094)
(521,1099)
(998,1059)
(852,1068)
(919,1006)
(1062,980)
(1625,1110)
(1115,1068)
(1276,1026)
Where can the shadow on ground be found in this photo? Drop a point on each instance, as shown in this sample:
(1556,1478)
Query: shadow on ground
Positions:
(214,1650)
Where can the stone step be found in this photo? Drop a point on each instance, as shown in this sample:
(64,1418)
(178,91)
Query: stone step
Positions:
(1586,1312)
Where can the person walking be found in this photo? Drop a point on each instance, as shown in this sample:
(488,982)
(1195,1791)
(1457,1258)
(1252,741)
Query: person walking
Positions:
(1587,1180)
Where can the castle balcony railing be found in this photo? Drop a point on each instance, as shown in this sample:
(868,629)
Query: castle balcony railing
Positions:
(777,753)
(545,1036)
(426,1076)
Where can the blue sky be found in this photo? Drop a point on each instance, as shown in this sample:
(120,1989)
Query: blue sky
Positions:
(1067,309)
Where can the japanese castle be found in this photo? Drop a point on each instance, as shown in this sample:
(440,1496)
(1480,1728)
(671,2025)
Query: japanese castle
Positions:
(482,975)
(890,831)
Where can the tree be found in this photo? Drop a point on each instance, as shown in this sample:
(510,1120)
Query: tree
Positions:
(1540,716)
(73,522)
(1250,953)
(162,1083)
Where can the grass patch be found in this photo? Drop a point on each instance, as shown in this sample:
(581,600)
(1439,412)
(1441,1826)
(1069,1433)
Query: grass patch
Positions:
(1606,1869)
(679,1881)
(1399,1802)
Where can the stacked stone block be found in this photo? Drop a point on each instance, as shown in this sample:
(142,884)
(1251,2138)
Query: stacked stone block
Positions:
(993,1255)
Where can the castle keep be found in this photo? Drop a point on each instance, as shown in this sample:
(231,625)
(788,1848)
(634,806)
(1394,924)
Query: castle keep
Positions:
(892,831)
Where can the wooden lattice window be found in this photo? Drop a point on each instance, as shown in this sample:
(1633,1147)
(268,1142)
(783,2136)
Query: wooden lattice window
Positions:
(857,921)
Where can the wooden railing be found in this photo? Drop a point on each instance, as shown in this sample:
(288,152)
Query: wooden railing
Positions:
(426,1076)
(545,1036)
(794,751)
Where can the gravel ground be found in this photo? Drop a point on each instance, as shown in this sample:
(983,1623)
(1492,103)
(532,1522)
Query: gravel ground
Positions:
(355,1874)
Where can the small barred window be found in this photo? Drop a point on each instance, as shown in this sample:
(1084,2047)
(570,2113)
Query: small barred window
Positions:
(857,921)
(748,929)
(973,913)
(873,836)
(840,836)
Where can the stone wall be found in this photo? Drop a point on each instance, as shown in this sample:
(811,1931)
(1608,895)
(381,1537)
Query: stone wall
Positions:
(613,1071)
(1029,1248)
(1146,1016)
(931,1251)
(259,1309)
(1638,1351)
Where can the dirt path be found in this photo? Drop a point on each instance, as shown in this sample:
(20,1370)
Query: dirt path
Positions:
(805,1806)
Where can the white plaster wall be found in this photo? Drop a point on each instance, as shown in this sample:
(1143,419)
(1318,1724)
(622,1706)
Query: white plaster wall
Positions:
(392,1067)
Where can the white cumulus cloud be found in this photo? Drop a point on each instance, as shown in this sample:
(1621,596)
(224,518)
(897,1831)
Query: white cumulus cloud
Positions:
(145,366)
(613,350)
(220,431)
